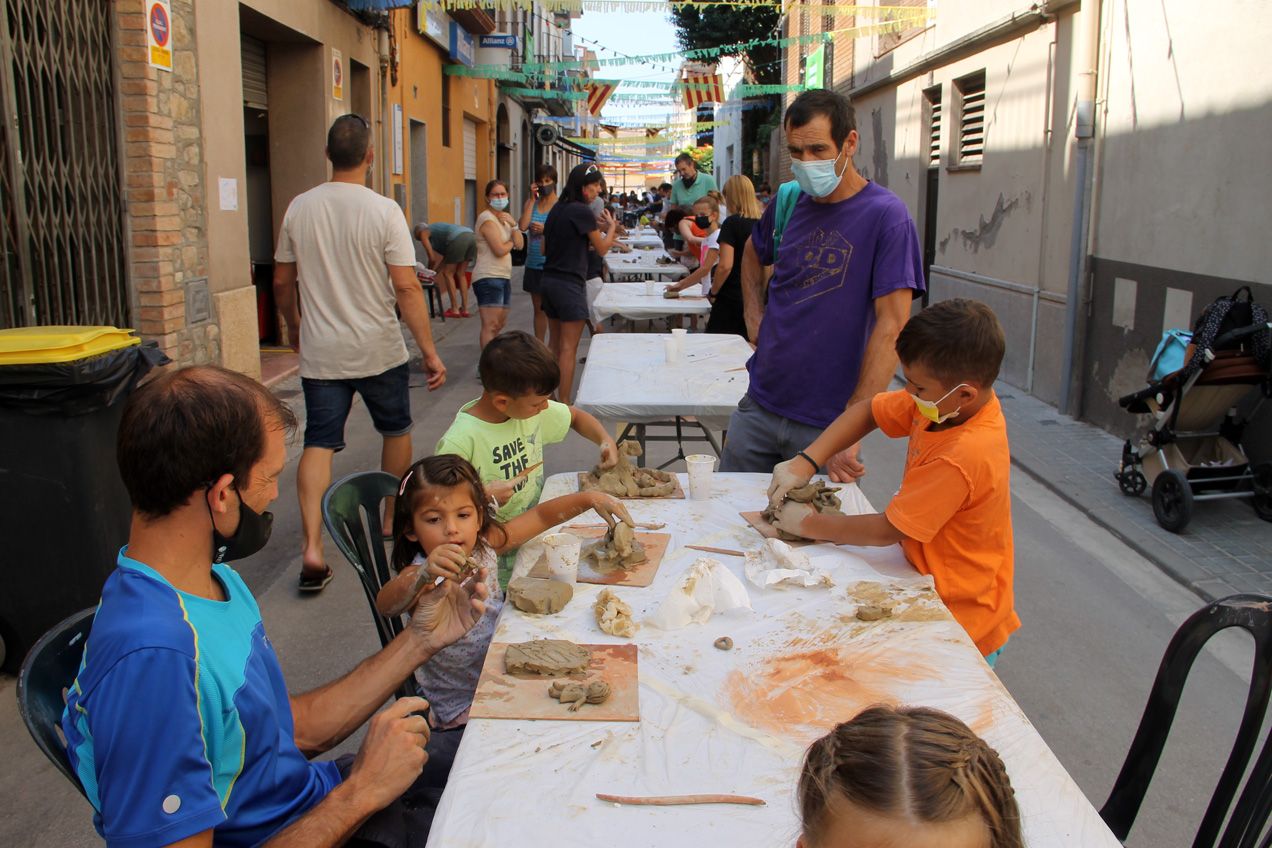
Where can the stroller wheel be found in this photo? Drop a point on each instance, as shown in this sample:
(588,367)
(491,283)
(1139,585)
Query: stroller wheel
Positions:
(1172,500)
(1131,482)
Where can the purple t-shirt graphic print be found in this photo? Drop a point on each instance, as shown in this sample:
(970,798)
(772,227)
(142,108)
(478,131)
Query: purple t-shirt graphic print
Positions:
(834,260)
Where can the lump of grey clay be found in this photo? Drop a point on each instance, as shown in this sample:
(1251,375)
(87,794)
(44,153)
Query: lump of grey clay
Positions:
(724,643)
(873,612)
(546,658)
(541,597)
(618,548)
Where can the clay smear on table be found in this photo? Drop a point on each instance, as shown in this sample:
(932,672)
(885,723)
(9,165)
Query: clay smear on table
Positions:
(625,480)
(819,688)
(817,494)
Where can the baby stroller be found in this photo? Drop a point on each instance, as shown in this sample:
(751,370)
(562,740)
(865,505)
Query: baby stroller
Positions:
(1192,450)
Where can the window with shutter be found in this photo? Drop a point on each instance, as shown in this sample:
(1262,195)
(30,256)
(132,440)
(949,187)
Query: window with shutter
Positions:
(971,118)
(933,98)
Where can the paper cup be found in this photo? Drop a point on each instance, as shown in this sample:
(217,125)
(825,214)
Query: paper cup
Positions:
(650,288)
(701,469)
(671,348)
(680,334)
(562,551)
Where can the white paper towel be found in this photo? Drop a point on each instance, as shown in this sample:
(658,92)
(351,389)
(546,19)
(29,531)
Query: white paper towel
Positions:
(707,587)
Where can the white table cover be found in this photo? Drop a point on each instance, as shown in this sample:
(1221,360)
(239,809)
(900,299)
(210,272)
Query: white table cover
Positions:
(632,302)
(627,377)
(644,263)
(533,783)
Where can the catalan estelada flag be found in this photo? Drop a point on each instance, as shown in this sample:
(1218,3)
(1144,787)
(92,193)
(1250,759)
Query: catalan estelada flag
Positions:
(598,91)
(702,88)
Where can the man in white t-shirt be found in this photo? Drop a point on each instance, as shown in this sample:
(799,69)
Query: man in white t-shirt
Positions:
(352,252)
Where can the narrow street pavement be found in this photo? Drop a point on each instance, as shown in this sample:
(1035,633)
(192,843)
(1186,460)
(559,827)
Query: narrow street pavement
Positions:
(1097,615)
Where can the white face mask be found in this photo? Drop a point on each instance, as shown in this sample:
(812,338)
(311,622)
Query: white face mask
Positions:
(499,204)
(818,177)
(930,409)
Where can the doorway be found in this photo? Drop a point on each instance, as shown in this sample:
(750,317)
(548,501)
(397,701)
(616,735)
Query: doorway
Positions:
(257,188)
(932,185)
(419,170)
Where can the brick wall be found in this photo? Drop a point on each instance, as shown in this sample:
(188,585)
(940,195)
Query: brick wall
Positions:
(164,189)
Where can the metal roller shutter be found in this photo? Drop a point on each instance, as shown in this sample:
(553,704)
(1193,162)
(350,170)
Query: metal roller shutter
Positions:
(470,150)
(255,95)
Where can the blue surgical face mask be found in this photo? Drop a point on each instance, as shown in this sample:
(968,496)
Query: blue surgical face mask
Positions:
(499,204)
(818,177)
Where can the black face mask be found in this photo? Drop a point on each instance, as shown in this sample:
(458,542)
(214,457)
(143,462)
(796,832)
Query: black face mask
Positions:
(547,189)
(703,221)
(689,181)
(252,534)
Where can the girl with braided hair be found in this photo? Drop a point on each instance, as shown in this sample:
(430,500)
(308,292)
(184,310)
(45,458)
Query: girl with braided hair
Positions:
(906,776)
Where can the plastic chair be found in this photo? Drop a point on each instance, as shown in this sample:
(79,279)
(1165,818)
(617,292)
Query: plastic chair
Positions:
(1253,805)
(49,668)
(351,511)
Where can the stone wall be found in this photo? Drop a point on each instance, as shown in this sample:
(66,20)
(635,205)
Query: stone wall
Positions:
(164,188)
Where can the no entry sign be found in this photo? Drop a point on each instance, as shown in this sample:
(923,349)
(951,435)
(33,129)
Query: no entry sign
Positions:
(159,33)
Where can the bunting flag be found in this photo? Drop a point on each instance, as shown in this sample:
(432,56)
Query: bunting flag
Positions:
(702,88)
(599,91)
(653,131)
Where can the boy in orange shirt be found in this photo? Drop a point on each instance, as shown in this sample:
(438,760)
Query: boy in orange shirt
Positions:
(952,514)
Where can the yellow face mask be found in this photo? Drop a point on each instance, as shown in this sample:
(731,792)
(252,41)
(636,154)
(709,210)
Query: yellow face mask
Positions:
(929,409)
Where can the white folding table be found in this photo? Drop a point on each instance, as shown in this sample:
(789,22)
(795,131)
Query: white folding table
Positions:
(739,721)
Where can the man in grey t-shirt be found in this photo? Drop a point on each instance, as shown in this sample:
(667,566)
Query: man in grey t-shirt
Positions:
(350,249)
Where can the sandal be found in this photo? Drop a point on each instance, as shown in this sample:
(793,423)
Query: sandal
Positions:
(464,313)
(309,583)
(452,313)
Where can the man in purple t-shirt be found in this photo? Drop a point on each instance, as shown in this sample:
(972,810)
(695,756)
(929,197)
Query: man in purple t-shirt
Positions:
(843,278)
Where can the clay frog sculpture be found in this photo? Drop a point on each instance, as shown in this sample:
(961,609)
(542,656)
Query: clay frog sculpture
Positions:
(576,694)
(625,480)
(817,494)
(618,548)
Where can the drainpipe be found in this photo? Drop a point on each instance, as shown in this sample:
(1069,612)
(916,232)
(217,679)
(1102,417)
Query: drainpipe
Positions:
(1087,33)
(386,120)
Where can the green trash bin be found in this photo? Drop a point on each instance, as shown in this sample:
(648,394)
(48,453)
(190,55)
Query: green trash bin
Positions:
(65,512)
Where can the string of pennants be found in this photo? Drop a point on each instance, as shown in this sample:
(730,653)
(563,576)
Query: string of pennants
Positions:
(564,6)
(906,16)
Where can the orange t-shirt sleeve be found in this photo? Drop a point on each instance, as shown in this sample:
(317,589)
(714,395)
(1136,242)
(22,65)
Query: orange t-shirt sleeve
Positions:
(893,412)
(930,495)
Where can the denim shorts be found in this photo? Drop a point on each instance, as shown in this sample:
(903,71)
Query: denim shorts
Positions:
(493,291)
(327,404)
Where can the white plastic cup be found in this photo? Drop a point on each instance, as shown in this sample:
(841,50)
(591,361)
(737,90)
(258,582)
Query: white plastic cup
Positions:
(562,551)
(650,288)
(701,469)
(671,349)
(680,334)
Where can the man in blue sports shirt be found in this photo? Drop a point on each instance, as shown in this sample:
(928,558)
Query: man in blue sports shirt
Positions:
(179,724)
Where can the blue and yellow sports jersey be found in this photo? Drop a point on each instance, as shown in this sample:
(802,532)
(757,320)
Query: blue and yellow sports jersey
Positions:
(179,719)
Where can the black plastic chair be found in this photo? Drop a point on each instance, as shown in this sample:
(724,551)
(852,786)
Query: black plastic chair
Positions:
(351,511)
(1252,806)
(48,669)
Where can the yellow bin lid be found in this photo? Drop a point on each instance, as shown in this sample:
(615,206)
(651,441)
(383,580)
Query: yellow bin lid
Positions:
(38,345)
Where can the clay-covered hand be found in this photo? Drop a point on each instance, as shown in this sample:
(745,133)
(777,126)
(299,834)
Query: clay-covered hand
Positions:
(791,474)
(444,615)
(447,561)
(789,517)
(611,509)
(392,754)
(846,466)
(609,454)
